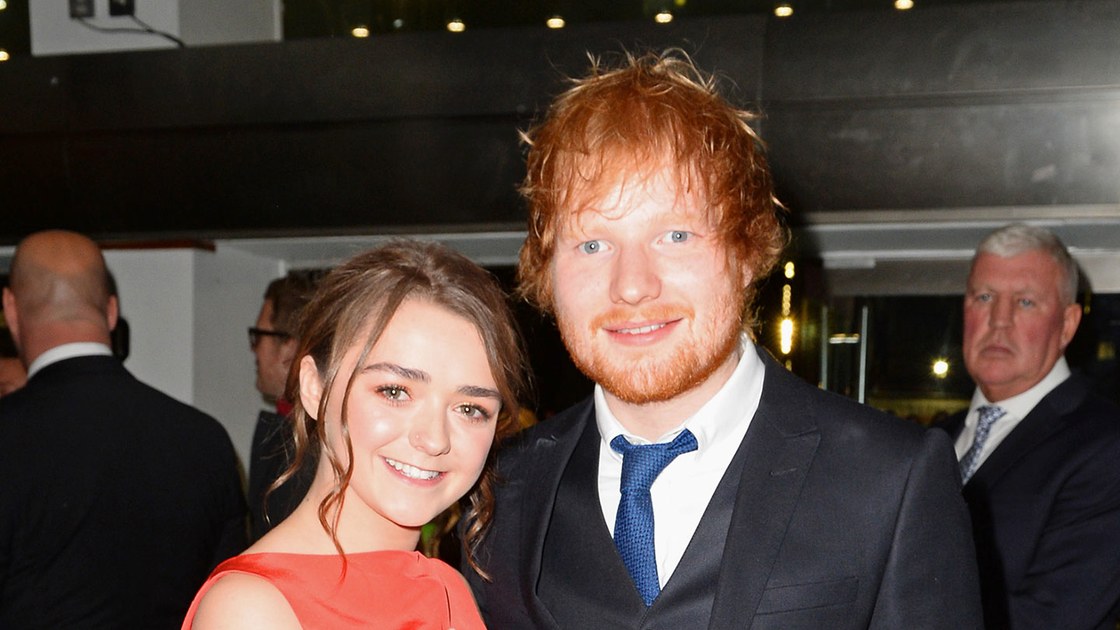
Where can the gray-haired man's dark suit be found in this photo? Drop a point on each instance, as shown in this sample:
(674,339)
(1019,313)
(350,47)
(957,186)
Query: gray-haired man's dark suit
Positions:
(1046,512)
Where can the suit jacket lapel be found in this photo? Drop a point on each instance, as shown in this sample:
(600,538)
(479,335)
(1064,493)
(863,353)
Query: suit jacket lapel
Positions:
(780,445)
(551,452)
(1049,416)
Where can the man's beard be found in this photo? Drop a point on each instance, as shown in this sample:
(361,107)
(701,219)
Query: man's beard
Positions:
(652,379)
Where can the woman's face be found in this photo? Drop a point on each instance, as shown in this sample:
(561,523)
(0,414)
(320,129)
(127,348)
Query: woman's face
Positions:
(422,414)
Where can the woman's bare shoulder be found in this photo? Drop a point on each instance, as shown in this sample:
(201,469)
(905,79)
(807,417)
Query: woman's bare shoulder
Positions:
(243,601)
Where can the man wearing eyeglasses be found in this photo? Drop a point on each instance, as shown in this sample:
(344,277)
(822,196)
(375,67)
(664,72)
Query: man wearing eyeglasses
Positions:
(274,343)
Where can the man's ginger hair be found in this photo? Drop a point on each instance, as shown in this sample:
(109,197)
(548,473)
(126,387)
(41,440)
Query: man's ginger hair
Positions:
(652,111)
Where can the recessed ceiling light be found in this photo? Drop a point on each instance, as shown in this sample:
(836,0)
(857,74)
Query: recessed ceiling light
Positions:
(359,31)
(555,22)
(456,25)
(663,17)
(783,10)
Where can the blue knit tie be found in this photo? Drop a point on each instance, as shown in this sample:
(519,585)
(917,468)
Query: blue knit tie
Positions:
(633,526)
(971,460)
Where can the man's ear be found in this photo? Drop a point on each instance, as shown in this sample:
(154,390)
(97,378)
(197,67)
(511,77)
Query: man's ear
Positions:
(310,386)
(11,317)
(288,351)
(743,267)
(1071,318)
(113,311)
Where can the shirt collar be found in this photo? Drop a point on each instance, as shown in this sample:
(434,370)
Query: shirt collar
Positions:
(716,419)
(67,351)
(1020,405)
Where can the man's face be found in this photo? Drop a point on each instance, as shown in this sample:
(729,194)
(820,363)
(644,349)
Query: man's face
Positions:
(1015,325)
(274,357)
(646,299)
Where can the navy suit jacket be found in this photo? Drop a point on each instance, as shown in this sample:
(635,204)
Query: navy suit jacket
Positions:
(116,500)
(843,518)
(1046,515)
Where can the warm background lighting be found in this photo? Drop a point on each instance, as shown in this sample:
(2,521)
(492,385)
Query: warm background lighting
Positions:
(663,17)
(940,368)
(4,56)
(785,341)
(903,5)
(456,26)
(788,270)
(3,4)
(783,10)
(555,22)
(359,31)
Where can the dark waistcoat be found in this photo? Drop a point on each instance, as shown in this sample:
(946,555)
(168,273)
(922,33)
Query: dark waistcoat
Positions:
(583,581)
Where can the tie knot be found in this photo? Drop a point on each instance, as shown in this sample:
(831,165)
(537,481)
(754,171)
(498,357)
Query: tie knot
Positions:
(989,414)
(641,463)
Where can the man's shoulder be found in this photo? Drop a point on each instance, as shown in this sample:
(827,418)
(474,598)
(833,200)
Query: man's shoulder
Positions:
(1075,396)
(102,387)
(562,428)
(789,401)
(1085,416)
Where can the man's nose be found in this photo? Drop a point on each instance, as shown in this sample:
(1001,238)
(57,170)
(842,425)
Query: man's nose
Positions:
(635,276)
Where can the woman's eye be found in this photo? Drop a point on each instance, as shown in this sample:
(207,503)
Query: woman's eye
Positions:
(679,236)
(591,247)
(474,412)
(393,392)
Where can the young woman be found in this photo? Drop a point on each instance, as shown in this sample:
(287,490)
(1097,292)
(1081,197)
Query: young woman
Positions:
(409,371)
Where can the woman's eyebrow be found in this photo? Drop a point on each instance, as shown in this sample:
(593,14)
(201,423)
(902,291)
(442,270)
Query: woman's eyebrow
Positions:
(411,374)
(414,374)
(479,392)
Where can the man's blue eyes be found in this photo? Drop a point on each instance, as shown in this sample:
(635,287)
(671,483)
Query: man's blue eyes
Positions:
(594,247)
(988,297)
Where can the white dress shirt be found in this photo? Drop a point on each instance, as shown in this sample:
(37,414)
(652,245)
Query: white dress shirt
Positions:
(1017,408)
(683,489)
(67,351)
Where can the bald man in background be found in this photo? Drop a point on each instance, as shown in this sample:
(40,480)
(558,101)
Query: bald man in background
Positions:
(117,499)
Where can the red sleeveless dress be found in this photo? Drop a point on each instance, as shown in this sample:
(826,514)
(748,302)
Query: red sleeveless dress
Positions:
(381,589)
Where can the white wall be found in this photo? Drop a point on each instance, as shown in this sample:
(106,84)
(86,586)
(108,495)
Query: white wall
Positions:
(205,22)
(195,22)
(229,288)
(157,296)
(188,312)
(54,33)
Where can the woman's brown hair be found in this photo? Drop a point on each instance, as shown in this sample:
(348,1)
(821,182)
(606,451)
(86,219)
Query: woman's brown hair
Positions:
(362,294)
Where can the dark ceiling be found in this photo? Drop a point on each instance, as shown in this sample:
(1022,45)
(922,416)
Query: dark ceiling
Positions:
(966,110)
(305,19)
(325,18)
